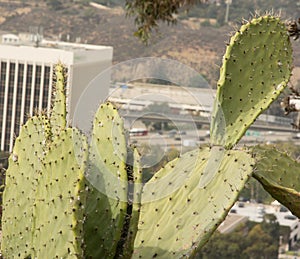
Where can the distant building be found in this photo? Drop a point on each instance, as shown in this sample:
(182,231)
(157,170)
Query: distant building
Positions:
(255,212)
(26,78)
(10,39)
(181,100)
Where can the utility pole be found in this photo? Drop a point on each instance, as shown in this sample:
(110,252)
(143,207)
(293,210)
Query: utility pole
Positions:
(228,2)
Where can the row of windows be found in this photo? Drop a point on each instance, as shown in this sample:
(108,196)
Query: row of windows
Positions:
(9,106)
(19,97)
(36,81)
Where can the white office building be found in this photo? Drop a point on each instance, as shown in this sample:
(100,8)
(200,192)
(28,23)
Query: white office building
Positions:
(26,79)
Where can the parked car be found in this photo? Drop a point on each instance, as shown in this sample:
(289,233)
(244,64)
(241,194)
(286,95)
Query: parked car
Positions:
(296,136)
(241,205)
(177,137)
(290,217)
(172,133)
(283,209)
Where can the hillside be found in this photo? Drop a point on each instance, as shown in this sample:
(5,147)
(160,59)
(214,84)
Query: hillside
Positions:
(198,46)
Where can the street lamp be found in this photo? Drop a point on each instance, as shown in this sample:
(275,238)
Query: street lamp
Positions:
(228,2)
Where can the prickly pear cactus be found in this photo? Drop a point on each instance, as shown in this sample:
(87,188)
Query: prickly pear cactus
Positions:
(256,68)
(177,215)
(279,174)
(44,194)
(107,199)
(25,165)
(59,205)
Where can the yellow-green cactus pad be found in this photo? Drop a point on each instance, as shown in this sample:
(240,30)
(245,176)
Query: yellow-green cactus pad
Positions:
(256,68)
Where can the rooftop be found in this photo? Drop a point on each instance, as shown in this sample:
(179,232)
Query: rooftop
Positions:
(30,47)
(256,211)
(36,40)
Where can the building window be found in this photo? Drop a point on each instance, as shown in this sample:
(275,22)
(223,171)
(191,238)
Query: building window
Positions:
(19,98)
(6,141)
(28,91)
(46,79)
(37,87)
(9,111)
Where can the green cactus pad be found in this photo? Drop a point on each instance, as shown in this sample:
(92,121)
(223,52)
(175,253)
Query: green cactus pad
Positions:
(25,164)
(256,68)
(107,176)
(280,176)
(58,112)
(60,199)
(177,216)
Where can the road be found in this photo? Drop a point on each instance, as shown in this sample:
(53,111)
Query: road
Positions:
(196,120)
(192,138)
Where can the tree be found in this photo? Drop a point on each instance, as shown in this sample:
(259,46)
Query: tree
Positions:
(271,226)
(225,246)
(248,241)
(158,108)
(162,109)
(149,12)
(260,244)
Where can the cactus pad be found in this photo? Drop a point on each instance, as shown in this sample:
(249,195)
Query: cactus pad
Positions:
(280,176)
(177,216)
(256,68)
(60,199)
(107,176)
(25,165)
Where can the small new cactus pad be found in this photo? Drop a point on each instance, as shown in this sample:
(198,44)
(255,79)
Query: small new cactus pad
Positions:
(25,165)
(58,112)
(60,198)
(256,68)
(280,176)
(107,176)
(177,216)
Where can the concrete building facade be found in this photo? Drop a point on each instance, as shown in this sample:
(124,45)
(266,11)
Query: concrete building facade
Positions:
(26,80)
